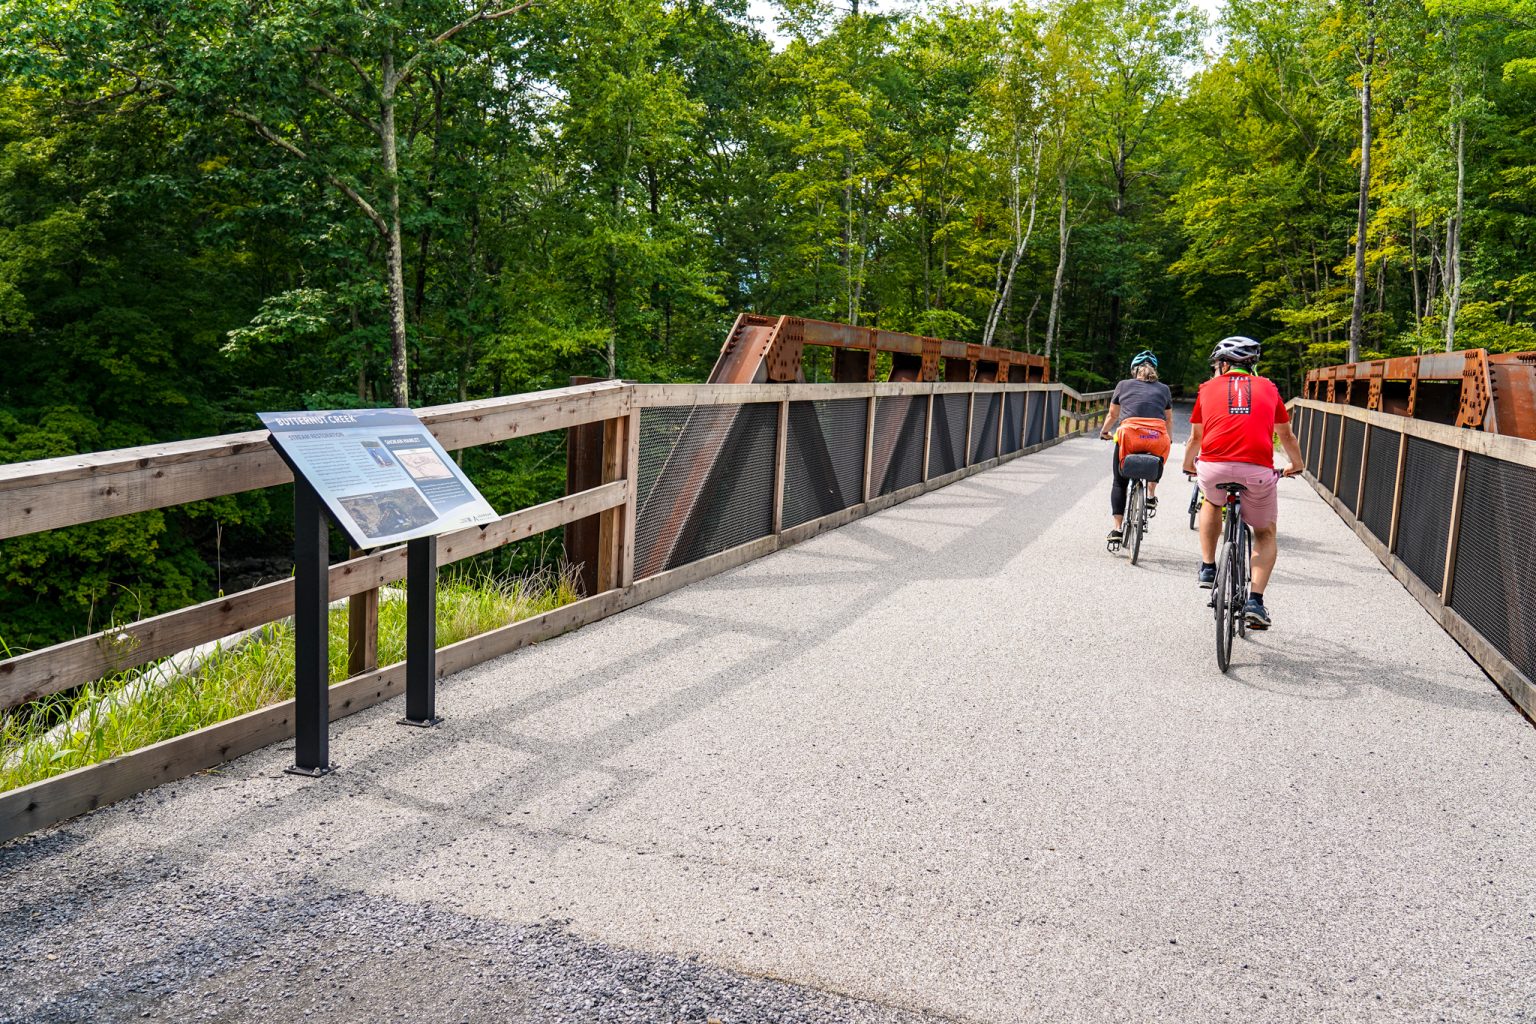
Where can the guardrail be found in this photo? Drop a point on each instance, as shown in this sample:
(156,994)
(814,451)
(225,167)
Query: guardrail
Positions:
(1450,512)
(784,463)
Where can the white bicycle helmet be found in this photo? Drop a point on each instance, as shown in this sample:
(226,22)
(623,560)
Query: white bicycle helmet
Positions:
(1237,350)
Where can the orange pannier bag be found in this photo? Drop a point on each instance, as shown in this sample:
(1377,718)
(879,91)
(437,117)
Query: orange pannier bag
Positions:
(1143,435)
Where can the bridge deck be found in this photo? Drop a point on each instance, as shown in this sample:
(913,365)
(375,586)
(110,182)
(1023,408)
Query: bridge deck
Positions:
(952,761)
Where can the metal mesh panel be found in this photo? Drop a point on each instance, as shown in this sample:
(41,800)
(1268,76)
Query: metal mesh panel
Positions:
(946,452)
(1303,428)
(984,427)
(824,458)
(1380,480)
(1329,462)
(1052,415)
(1349,465)
(1315,446)
(1496,556)
(1429,483)
(1036,418)
(898,455)
(706,482)
(1013,422)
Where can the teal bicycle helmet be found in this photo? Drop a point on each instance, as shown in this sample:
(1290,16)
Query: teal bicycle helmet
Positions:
(1144,356)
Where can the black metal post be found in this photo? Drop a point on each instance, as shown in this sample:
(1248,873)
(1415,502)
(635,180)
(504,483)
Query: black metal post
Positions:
(311,633)
(421,633)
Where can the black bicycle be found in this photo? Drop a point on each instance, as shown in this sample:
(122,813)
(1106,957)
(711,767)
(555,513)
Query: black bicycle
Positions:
(1195,501)
(1229,595)
(1139,469)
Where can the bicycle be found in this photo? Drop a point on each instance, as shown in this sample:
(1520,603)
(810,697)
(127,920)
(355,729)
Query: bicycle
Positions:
(1138,469)
(1233,559)
(1195,501)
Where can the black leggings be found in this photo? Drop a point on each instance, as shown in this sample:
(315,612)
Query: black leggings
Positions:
(1117,483)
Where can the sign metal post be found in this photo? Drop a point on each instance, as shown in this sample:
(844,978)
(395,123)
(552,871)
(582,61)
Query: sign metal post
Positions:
(421,633)
(311,632)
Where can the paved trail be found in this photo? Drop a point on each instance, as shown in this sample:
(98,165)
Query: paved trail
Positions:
(951,762)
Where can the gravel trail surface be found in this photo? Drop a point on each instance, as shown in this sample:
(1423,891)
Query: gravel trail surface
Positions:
(953,762)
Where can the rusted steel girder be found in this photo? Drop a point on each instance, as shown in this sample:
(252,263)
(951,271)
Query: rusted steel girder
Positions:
(1473,388)
(770,349)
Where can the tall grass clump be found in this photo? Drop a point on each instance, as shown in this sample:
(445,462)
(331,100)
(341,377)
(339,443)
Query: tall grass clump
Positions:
(133,709)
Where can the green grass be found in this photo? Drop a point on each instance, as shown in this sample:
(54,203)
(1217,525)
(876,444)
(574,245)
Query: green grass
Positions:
(114,716)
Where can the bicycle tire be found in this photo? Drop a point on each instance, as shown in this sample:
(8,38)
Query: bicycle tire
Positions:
(1194,508)
(1136,518)
(1241,578)
(1221,595)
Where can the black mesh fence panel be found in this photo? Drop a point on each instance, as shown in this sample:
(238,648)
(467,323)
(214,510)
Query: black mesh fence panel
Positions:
(898,455)
(824,458)
(1052,415)
(984,427)
(1429,482)
(1496,556)
(1349,464)
(1035,418)
(706,482)
(1303,428)
(947,451)
(1329,461)
(1380,480)
(1013,422)
(1315,445)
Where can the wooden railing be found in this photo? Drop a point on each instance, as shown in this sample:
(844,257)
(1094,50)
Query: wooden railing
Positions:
(57,493)
(1448,510)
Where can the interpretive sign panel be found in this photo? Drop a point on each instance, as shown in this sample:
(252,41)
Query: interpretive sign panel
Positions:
(381,473)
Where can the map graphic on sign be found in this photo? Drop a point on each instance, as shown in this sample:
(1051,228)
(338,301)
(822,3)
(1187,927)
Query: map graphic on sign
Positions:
(380,472)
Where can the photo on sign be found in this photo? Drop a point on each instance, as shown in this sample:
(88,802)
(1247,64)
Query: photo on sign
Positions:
(388,512)
(423,464)
(380,456)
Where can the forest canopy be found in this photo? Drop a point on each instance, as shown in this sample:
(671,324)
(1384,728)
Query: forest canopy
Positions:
(211,207)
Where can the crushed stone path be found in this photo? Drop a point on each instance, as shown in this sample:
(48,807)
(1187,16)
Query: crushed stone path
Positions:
(952,762)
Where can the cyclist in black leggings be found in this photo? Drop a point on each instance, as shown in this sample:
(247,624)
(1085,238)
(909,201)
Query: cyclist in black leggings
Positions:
(1141,396)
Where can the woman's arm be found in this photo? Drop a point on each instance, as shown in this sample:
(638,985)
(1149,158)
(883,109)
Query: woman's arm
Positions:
(1110,419)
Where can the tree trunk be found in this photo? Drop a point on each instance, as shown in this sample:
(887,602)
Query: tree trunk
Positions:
(394,258)
(1453,237)
(1053,319)
(1357,311)
(1413,250)
(1021,236)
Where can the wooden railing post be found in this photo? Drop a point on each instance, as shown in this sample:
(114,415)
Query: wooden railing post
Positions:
(927,436)
(1449,574)
(362,629)
(970,425)
(612,523)
(869,446)
(1397,489)
(782,444)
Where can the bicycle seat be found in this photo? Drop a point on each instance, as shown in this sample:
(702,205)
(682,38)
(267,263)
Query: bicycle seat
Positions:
(1233,489)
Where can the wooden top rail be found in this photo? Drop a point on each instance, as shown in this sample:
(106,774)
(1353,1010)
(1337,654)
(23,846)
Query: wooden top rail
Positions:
(1495,446)
(51,493)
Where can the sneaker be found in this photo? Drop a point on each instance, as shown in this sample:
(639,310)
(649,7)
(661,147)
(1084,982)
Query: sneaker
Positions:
(1256,614)
(1151,507)
(1207,577)
(1112,542)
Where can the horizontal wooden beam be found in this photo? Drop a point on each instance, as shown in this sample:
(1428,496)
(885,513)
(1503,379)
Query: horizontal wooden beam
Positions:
(651,396)
(52,493)
(1496,446)
(62,666)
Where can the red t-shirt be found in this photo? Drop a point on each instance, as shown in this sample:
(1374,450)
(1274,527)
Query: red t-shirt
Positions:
(1239,411)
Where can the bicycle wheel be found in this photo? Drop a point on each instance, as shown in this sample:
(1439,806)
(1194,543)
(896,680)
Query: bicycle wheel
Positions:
(1136,518)
(1194,509)
(1221,600)
(1240,578)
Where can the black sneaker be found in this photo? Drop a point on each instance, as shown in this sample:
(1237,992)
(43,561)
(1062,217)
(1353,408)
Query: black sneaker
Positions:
(1256,614)
(1112,542)
(1151,507)
(1207,577)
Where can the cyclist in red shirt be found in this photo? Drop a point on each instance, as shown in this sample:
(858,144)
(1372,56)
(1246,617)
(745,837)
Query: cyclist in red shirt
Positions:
(1232,429)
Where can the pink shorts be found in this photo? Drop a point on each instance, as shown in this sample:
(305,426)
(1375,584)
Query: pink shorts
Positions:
(1261,508)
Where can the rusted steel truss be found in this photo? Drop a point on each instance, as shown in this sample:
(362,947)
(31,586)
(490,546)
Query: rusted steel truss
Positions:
(770,349)
(1472,388)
